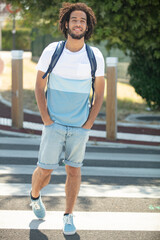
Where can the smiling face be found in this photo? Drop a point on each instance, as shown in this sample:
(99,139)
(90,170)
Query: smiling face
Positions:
(77,25)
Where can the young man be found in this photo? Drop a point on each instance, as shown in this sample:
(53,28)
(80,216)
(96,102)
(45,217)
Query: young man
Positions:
(65,112)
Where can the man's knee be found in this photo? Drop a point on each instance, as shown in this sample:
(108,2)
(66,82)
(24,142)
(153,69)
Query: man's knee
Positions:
(73,171)
(44,172)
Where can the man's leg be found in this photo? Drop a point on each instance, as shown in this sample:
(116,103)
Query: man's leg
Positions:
(72,187)
(40,178)
(53,138)
(74,154)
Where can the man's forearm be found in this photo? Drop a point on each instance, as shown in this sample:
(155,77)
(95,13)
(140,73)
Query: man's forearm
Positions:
(42,106)
(94,112)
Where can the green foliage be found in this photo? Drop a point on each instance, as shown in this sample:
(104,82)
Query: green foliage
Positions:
(144,71)
(130,25)
(22,40)
(39,14)
(126,24)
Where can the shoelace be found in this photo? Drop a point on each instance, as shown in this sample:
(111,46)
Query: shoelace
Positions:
(68,219)
(35,205)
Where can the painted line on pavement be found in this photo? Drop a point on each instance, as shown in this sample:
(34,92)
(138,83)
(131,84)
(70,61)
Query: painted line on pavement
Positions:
(20,141)
(88,155)
(127,136)
(119,191)
(93,133)
(115,221)
(30,139)
(87,171)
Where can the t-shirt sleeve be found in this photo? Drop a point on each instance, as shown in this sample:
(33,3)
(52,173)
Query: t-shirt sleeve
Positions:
(100,62)
(45,58)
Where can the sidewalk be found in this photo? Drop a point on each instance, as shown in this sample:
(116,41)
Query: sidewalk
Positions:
(127,133)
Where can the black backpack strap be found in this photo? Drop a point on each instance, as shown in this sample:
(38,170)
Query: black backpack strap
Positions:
(93,64)
(56,55)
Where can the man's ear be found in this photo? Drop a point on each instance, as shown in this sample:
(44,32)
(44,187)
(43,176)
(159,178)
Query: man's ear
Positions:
(66,25)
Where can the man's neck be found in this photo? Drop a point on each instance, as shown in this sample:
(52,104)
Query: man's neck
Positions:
(74,45)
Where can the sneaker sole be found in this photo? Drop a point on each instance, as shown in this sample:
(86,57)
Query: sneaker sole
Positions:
(69,233)
(39,217)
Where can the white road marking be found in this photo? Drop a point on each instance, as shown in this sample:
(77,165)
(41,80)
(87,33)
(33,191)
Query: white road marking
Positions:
(18,153)
(115,221)
(118,191)
(94,133)
(88,155)
(20,141)
(127,136)
(87,171)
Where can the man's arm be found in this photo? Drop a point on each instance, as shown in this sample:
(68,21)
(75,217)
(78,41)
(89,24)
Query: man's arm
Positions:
(41,99)
(98,100)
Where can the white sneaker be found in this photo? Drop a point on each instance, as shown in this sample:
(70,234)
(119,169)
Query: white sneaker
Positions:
(68,225)
(38,208)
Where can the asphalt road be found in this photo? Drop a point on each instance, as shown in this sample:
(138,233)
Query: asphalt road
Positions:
(119,196)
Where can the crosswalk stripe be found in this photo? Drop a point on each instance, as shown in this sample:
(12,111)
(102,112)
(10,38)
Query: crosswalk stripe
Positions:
(88,155)
(128,136)
(87,171)
(83,220)
(35,140)
(94,133)
(20,141)
(19,153)
(112,221)
(121,191)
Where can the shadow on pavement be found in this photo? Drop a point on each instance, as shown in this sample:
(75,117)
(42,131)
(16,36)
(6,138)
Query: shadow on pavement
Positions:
(72,237)
(36,234)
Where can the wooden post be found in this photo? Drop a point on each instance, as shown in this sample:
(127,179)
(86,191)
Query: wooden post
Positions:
(111,100)
(17,89)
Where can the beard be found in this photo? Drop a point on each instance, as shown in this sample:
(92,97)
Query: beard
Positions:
(75,36)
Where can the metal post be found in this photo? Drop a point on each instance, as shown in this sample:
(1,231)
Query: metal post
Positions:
(17,89)
(111,104)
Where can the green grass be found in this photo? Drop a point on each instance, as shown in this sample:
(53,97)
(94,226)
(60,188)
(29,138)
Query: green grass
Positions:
(126,107)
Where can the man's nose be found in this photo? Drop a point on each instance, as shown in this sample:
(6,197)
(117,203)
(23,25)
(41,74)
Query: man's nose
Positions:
(78,23)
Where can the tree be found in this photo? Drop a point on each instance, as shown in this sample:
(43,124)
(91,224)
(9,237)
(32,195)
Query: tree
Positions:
(130,24)
(127,24)
(40,14)
(145,77)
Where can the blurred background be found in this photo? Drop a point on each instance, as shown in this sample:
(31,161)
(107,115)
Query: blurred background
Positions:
(127,29)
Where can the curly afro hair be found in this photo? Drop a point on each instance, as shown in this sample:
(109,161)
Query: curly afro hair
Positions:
(64,16)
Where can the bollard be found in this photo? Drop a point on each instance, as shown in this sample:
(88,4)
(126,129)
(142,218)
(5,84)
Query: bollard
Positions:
(17,89)
(1,65)
(111,100)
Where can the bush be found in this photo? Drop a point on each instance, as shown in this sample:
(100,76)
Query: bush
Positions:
(22,40)
(144,71)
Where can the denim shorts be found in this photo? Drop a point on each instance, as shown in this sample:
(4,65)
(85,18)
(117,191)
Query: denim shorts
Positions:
(54,138)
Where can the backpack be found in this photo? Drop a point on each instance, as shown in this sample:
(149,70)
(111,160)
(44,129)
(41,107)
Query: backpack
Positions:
(57,53)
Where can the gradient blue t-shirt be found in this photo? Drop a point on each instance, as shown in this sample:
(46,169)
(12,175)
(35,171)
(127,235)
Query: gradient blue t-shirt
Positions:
(69,84)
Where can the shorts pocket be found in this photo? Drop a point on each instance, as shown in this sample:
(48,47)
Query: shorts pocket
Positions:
(47,126)
(85,129)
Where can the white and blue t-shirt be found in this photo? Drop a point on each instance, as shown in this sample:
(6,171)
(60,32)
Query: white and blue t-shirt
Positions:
(69,84)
